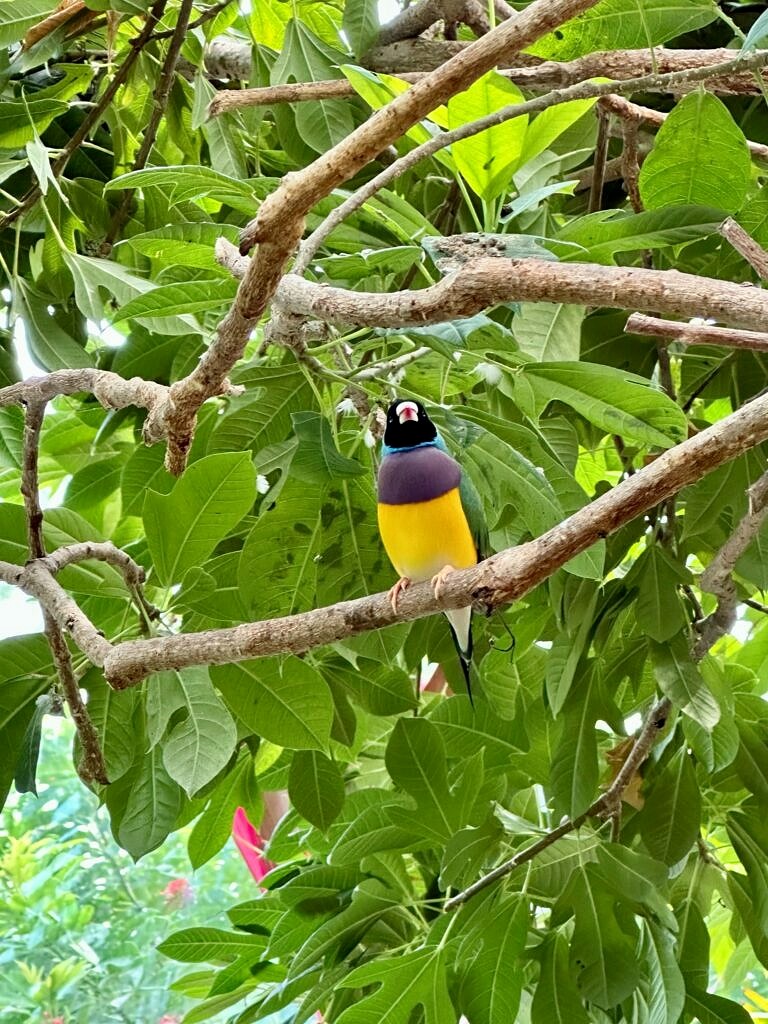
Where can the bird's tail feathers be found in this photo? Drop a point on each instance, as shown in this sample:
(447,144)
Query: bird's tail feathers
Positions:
(460,621)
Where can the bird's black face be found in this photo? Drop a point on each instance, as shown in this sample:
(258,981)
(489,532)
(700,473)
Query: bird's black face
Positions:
(408,425)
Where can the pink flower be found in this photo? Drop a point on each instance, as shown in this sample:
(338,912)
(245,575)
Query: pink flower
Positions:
(169,1018)
(178,892)
(250,844)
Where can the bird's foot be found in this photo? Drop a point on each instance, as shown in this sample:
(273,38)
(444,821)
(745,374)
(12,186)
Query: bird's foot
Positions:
(394,592)
(439,580)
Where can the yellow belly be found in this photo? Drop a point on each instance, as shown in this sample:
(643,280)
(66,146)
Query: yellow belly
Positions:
(423,537)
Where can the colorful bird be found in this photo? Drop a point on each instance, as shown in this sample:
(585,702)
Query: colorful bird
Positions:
(430,515)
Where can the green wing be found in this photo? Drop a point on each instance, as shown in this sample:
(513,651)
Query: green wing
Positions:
(472,504)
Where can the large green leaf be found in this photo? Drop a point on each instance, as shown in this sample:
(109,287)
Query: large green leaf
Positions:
(149,812)
(619,403)
(202,737)
(285,701)
(679,678)
(671,816)
(624,24)
(19,122)
(700,156)
(491,979)
(608,232)
(403,983)
(487,160)
(184,527)
(557,999)
(214,826)
(209,945)
(316,787)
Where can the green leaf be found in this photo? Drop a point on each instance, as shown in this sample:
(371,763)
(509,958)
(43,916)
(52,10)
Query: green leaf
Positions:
(757,34)
(285,701)
(624,24)
(316,787)
(549,331)
(603,956)
(370,900)
(709,1009)
(184,527)
(178,299)
(700,156)
(556,999)
(20,122)
(200,744)
(18,16)
(662,984)
(487,160)
(670,819)
(112,713)
(575,770)
(306,58)
(660,612)
(263,415)
(318,460)
(751,762)
(491,981)
(617,402)
(415,760)
(25,778)
(360,22)
(209,945)
(403,983)
(214,826)
(153,802)
(50,344)
(187,183)
(608,232)
(680,680)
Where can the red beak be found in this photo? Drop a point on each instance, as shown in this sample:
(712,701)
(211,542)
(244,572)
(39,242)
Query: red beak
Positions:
(407,411)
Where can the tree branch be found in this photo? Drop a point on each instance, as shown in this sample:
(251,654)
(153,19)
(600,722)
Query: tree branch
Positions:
(418,18)
(745,245)
(605,805)
(487,281)
(502,579)
(696,333)
(583,90)
(92,767)
(717,578)
(160,102)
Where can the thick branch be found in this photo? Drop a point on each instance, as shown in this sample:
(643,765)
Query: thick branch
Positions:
(501,579)
(488,281)
(696,333)
(418,17)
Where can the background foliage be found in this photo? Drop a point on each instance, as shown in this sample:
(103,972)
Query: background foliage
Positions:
(546,405)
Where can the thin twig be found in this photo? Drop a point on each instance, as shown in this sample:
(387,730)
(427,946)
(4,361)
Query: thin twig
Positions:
(696,333)
(630,163)
(605,806)
(160,103)
(717,578)
(92,766)
(647,115)
(601,154)
(94,115)
(746,246)
(208,13)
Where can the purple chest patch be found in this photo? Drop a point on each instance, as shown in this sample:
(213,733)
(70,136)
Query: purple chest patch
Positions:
(418,474)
